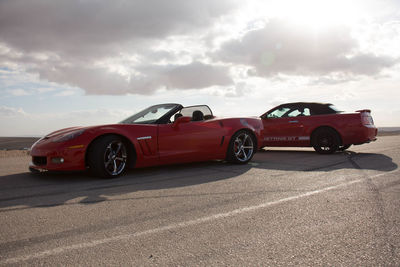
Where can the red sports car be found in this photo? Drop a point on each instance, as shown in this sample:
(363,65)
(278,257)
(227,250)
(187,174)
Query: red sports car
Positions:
(318,125)
(161,134)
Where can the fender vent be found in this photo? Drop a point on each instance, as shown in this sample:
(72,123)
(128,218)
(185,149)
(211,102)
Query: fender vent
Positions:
(222,140)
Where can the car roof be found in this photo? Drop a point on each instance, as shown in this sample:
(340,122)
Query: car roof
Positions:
(305,104)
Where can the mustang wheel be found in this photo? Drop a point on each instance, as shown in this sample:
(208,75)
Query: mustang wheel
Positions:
(108,157)
(325,141)
(241,148)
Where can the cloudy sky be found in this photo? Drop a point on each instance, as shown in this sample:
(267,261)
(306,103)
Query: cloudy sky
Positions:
(84,62)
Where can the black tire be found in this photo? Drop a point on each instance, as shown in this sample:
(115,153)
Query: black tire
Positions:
(108,157)
(343,148)
(241,147)
(325,141)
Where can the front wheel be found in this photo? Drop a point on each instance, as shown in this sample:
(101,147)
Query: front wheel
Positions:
(108,157)
(325,141)
(241,148)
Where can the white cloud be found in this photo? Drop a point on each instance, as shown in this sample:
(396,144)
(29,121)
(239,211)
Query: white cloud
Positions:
(65,93)
(43,90)
(11,112)
(288,48)
(18,92)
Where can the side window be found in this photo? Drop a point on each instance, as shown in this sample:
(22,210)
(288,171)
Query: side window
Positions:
(188,111)
(278,113)
(299,112)
(204,110)
(294,113)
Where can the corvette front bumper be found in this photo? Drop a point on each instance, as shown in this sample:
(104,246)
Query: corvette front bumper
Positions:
(51,156)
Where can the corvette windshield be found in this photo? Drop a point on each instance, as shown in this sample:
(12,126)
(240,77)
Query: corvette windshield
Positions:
(149,115)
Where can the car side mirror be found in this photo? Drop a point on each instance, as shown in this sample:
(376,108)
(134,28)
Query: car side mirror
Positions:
(181,120)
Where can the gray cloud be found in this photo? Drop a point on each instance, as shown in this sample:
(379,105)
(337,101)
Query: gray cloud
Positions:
(88,27)
(282,47)
(64,41)
(195,75)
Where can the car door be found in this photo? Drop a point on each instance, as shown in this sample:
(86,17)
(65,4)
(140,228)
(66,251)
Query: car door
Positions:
(284,127)
(186,141)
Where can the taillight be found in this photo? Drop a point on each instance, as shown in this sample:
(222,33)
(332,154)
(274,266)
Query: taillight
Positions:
(366,119)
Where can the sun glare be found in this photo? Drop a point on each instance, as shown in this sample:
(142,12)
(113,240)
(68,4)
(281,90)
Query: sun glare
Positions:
(315,13)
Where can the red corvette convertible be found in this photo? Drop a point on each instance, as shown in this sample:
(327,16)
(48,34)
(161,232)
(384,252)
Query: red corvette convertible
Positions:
(318,125)
(161,134)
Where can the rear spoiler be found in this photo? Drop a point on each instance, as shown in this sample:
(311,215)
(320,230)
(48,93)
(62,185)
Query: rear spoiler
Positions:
(364,110)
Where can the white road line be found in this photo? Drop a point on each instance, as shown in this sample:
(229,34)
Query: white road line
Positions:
(59,250)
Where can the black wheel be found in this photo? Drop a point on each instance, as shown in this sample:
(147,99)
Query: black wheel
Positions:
(343,148)
(325,141)
(241,147)
(108,157)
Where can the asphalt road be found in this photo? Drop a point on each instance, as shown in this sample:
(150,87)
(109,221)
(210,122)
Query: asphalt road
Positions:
(287,207)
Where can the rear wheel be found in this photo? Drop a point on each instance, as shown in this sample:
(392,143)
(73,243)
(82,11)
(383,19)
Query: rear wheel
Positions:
(325,141)
(108,157)
(241,147)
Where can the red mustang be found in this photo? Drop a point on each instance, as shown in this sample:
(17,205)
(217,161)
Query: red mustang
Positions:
(161,134)
(318,125)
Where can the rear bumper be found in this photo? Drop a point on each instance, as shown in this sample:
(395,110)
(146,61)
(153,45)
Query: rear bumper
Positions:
(367,134)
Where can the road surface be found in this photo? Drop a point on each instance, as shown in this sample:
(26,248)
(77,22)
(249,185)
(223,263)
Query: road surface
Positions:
(287,207)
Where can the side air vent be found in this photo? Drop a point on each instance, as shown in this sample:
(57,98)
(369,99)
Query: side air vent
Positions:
(222,140)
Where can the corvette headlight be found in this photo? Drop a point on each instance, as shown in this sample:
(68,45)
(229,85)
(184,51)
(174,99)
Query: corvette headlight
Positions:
(68,136)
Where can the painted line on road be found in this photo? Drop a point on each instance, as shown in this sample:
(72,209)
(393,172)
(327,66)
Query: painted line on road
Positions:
(94,243)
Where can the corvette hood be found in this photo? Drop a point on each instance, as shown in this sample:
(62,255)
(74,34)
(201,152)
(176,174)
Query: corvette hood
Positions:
(77,128)
(65,131)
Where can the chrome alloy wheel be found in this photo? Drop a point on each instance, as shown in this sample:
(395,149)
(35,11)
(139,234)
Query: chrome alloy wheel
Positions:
(115,158)
(243,147)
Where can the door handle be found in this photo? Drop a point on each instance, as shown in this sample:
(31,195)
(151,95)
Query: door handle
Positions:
(293,121)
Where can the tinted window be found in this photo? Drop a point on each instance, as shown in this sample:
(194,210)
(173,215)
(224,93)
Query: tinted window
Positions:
(289,112)
(278,113)
(299,112)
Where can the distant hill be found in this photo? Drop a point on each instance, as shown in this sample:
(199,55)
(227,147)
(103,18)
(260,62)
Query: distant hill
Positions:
(17,143)
(383,131)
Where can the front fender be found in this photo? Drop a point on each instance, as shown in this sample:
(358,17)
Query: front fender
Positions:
(143,139)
